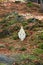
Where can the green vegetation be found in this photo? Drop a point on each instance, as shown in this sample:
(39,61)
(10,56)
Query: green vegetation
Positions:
(32,47)
(41,36)
(32,20)
(29,63)
(2,46)
(24,23)
(15,36)
(3,64)
(29,4)
(26,59)
(4,33)
(40,45)
(38,51)
(11,48)
(27,34)
(16,28)
(17,2)
(23,49)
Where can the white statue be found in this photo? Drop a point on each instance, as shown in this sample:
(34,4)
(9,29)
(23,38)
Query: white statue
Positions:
(22,34)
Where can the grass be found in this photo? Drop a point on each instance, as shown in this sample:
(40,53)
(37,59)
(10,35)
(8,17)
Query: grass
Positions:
(11,22)
(3,64)
(28,56)
(38,51)
(29,63)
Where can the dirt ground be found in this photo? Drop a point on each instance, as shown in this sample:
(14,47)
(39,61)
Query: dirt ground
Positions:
(20,8)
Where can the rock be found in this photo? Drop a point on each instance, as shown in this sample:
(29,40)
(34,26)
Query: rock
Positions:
(5,59)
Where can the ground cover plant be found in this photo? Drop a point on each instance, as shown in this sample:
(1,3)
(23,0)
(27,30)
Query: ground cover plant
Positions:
(2,64)
(34,39)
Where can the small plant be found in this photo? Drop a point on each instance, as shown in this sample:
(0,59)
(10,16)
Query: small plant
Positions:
(26,27)
(27,34)
(15,36)
(29,4)
(40,45)
(24,23)
(16,28)
(11,22)
(32,20)
(40,36)
(11,47)
(20,18)
(23,49)
(4,33)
